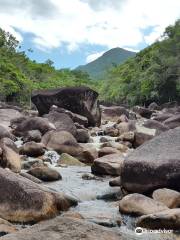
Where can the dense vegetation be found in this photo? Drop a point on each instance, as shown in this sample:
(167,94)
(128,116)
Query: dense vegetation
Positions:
(98,68)
(19,76)
(152,75)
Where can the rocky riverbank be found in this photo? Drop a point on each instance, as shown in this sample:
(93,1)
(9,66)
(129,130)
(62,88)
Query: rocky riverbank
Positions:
(110,178)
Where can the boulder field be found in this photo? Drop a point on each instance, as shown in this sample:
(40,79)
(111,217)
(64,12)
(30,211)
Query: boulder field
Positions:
(65,149)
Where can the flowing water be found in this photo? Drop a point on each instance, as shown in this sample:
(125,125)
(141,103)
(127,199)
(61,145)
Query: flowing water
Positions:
(97,201)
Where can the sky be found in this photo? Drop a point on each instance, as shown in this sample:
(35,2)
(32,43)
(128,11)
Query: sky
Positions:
(75,32)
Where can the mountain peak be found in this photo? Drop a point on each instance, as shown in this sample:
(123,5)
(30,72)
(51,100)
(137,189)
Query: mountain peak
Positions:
(98,68)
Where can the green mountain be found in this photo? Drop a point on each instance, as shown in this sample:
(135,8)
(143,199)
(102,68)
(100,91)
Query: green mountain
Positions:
(152,75)
(98,68)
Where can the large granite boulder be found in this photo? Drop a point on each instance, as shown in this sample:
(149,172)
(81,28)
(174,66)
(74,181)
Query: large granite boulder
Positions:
(113,113)
(62,142)
(66,228)
(173,121)
(32,149)
(45,174)
(155,164)
(9,156)
(62,122)
(139,204)
(22,200)
(10,159)
(167,219)
(33,123)
(80,100)
(108,165)
(167,196)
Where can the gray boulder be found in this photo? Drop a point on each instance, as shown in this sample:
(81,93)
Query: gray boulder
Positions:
(45,174)
(108,165)
(173,121)
(155,164)
(62,142)
(62,122)
(113,113)
(66,228)
(33,123)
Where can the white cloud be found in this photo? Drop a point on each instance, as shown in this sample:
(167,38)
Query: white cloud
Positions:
(155,35)
(131,49)
(94,56)
(110,23)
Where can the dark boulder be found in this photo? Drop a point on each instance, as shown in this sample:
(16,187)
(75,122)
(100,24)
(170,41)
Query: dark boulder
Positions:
(80,100)
(142,111)
(155,164)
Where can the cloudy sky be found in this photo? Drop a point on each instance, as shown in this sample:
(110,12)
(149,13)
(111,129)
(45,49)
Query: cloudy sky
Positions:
(73,32)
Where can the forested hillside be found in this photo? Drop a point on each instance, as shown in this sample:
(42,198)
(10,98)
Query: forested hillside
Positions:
(152,75)
(19,75)
(99,67)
